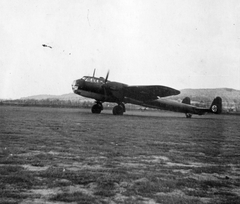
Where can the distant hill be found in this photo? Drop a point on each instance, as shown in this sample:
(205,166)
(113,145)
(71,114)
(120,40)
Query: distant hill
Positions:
(204,97)
(227,94)
(69,96)
(230,97)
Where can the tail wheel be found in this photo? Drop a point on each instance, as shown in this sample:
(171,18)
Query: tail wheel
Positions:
(118,110)
(188,115)
(97,108)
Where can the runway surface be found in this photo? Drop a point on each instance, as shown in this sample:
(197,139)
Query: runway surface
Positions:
(62,155)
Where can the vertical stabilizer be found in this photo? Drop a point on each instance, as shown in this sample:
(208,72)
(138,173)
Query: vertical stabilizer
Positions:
(216,106)
(186,100)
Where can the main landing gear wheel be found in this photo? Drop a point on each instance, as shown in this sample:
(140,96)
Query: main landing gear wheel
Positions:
(119,109)
(97,108)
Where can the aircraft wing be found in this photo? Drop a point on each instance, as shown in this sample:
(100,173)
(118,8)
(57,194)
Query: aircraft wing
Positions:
(145,93)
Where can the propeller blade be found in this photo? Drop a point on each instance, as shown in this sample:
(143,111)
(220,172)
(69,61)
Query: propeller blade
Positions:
(105,85)
(107,77)
(94,72)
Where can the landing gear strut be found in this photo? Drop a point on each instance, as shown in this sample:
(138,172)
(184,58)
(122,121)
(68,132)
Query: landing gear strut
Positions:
(97,108)
(119,109)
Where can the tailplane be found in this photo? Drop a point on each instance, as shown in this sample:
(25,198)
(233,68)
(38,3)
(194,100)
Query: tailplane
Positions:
(216,106)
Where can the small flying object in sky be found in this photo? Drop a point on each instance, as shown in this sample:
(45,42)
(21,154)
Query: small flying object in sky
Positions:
(103,90)
(44,45)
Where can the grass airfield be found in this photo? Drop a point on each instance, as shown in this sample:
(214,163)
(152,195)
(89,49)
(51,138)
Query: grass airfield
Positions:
(60,155)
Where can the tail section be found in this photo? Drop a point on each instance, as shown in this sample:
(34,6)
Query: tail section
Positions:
(216,106)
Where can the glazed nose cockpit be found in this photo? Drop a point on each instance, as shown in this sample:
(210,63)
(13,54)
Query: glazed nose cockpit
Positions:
(74,85)
(77,84)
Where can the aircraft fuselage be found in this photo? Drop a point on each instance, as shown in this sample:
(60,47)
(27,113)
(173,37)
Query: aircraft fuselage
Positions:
(103,90)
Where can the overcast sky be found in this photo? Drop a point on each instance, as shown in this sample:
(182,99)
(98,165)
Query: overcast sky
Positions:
(181,44)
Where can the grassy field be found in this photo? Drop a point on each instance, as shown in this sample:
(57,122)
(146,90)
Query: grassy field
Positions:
(54,155)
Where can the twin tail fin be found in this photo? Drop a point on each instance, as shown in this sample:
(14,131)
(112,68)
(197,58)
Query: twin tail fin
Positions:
(216,106)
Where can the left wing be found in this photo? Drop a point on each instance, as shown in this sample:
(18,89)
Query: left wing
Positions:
(146,93)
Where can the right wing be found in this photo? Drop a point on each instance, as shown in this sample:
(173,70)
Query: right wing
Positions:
(146,93)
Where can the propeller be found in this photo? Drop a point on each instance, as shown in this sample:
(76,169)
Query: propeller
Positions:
(104,85)
(94,72)
(106,77)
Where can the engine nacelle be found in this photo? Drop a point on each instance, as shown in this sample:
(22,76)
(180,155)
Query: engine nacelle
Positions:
(116,89)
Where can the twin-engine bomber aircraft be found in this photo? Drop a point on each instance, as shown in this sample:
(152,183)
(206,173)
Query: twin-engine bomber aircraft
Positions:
(103,90)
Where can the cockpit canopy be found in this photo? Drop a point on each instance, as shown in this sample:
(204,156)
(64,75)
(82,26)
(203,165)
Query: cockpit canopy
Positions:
(93,79)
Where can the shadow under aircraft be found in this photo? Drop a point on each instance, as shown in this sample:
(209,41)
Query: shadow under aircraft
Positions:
(103,90)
